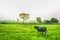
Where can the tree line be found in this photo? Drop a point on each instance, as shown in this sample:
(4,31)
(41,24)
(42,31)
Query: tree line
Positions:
(25,16)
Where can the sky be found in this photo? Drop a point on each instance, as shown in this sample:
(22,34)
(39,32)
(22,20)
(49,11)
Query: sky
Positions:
(46,9)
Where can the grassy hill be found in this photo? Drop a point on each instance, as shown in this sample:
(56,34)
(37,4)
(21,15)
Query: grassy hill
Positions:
(27,32)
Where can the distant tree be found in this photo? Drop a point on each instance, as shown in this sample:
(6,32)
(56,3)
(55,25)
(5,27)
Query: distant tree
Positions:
(38,19)
(17,19)
(54,20)
(47,21)
(24,16)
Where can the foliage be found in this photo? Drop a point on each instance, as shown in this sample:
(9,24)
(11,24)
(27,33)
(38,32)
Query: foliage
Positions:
(38,19)
(54,20)
(47,21)
(51,21)
(7,22)
(24,16)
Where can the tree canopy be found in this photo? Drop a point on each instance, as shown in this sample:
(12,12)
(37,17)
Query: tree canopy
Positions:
(24,16)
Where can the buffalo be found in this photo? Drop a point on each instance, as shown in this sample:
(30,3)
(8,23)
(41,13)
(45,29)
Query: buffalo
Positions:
(40,29)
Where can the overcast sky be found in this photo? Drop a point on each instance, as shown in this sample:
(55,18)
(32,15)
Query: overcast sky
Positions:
(46,9)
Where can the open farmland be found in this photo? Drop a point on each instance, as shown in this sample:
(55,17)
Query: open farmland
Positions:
(27,32)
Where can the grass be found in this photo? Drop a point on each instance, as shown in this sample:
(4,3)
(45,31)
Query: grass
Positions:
(27,32)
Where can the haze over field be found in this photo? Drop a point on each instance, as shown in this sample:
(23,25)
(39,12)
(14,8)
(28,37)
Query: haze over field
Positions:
(46,9)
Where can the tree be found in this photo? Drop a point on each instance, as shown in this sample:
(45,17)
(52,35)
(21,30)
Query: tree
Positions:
(17,19)
(47,21)
(54,20)
(38,19)
(24,16)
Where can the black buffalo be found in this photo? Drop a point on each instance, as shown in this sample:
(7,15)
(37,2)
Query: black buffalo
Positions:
(40,29)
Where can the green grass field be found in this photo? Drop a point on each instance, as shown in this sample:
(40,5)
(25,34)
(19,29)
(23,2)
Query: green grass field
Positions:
(27,32)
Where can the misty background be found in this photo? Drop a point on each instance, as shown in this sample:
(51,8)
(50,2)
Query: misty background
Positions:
(46,9)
